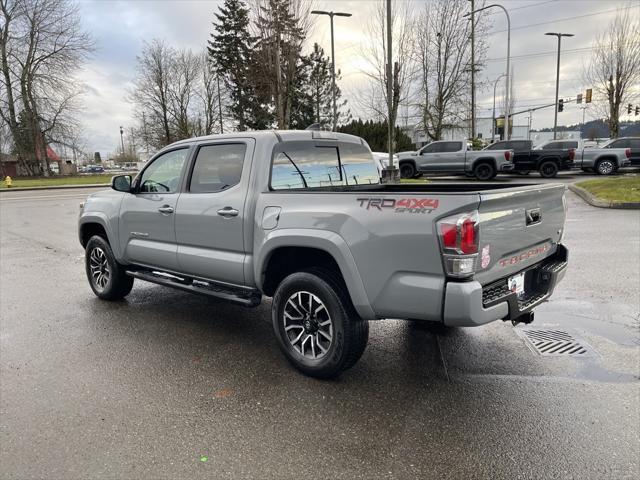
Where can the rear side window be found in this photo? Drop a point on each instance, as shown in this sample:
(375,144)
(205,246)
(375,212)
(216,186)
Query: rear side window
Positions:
(568,145)
(217,167)
(451,146)
(309,164)
(497,146)
(634,143)
(520,146)
(620,144)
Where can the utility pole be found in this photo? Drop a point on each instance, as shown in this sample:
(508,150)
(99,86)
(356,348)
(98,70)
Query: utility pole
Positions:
(220,104)
(555,115)
(389,82)
(473,71)
(334,123)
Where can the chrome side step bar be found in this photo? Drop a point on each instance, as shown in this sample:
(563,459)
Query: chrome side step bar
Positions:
(247,298)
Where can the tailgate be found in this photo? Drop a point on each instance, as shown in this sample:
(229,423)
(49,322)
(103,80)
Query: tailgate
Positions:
(518,228)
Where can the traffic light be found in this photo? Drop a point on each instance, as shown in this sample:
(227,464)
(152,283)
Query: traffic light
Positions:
(588,95)
(579,98)
(560,105)
(629,109)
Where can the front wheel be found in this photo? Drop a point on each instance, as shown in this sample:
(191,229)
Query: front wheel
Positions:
(407,170)
(605,167)
(484,171)
(107,278)
(548,169)
(316,325)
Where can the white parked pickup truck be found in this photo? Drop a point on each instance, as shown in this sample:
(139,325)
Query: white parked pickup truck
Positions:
(455,157)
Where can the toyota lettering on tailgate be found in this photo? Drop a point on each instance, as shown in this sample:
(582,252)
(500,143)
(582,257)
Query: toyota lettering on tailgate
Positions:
(401,205)
(522,256)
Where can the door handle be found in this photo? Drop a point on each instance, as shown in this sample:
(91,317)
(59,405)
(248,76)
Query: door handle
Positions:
(166,209)
(228,212)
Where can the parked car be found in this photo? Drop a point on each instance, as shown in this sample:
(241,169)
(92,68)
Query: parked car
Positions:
(249,215)
(602,161)
(547,162)
(632,143)
(455,157)
(92,169)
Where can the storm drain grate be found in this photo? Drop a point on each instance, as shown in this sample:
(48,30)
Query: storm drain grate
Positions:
(554,343)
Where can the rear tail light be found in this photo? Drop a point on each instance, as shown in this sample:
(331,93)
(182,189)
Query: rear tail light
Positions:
(507,156)
(572,153)
(459,243)
(627,152)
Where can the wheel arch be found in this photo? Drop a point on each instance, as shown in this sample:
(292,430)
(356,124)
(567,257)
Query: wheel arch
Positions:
(289,250)
(97,224)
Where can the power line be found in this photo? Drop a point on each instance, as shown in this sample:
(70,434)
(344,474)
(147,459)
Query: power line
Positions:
(520,27)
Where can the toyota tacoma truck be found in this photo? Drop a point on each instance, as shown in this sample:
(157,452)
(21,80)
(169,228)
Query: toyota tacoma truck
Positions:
(547,162)
(603,161)
(456,158)
(301,217)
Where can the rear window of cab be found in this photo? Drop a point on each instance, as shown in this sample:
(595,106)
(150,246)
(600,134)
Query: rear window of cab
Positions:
(321,164)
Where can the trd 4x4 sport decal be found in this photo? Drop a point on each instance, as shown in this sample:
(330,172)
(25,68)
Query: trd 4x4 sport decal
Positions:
(402,205)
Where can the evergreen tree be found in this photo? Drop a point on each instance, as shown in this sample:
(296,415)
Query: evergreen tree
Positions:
(230,50)
(376,135)
(320,89)
(276,67)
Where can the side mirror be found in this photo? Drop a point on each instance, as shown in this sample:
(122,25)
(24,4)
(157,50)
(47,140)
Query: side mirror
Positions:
(121,183)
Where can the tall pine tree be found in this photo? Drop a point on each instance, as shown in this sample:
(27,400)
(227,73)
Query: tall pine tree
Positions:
(230,50)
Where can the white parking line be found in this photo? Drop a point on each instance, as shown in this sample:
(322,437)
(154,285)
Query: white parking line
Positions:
(35,197)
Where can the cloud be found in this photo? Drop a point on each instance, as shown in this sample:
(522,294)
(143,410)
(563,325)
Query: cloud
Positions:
(121,27)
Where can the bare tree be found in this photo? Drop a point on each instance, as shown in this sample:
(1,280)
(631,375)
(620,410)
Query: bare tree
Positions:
(176,94)
(151,91)
(444,59)
(373,97)
(41,48)
(614,70)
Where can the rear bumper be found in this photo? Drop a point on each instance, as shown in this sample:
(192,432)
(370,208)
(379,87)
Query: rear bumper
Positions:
(469,304)
(507,167)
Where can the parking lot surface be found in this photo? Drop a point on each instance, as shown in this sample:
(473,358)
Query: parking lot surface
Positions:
(169,385)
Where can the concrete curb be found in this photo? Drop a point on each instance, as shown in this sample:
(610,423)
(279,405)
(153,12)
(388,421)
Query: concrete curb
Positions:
(53,187)
(596,202)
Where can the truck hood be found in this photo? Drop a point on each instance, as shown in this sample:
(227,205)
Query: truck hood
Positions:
(407,154)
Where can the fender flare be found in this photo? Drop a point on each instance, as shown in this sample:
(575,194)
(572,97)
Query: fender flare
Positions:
(100,219)
(330,242)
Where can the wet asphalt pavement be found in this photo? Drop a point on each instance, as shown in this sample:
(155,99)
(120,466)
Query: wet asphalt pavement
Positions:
(153,386)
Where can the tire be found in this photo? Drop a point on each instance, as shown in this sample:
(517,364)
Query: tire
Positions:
(345,335)
(548,169)
(484,171)
(605,167)
(407,170)
(106,276)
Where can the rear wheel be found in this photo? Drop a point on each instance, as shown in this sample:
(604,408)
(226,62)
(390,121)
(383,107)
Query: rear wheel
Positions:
(107,278)
(548,169)
(605,167)
(484,171)
(407,170)
(316,325)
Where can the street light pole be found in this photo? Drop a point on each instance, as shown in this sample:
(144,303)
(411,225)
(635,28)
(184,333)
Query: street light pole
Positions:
(555,115)
(122,139)
(334,123)
(508,74)
(493,125)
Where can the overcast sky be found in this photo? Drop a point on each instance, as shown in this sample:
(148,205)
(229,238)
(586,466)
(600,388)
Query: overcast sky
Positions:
(120,27)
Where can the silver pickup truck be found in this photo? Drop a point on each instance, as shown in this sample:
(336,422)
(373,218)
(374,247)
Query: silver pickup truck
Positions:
(604,161)
(301,217)
(455,157)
